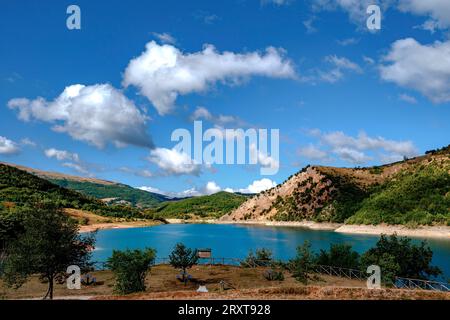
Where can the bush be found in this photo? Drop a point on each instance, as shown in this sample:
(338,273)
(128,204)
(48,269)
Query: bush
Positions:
(339,255)
(130,268)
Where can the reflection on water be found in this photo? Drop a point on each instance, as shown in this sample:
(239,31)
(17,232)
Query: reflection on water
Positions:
(234,241)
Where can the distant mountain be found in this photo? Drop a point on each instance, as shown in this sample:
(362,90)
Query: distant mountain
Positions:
(211,206)
(19,188)
(107,191)
(414,191)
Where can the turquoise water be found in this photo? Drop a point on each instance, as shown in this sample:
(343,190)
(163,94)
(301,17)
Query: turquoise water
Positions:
(234,241)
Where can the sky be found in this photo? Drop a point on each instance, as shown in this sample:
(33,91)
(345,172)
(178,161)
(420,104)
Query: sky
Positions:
(104,100)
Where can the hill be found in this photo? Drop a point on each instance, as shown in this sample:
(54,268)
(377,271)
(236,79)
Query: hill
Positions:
(211,206)
(413,192)
(19,188)
(108,191)
(114,193)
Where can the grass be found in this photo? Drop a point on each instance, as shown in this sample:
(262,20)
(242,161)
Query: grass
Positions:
(162,278)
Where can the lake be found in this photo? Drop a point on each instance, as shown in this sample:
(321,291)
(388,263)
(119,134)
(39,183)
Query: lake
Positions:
(235,241)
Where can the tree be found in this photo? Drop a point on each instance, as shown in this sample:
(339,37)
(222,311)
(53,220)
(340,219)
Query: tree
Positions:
(339,255)
(183,258)
(303,263)
(49,244)
(263,258)
(131,268)
(399,255)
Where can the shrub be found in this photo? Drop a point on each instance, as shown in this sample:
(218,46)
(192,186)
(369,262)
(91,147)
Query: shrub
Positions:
(130,268)
(339,255)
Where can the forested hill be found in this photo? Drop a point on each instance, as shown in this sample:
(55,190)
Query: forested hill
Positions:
(19,188)
(210,206)
(110,192)
(413,192)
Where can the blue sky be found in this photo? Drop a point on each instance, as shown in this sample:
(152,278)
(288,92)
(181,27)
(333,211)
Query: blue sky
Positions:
(339,94)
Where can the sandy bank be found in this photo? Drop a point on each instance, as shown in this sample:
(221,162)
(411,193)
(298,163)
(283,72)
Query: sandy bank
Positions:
(423,231)
(115,225)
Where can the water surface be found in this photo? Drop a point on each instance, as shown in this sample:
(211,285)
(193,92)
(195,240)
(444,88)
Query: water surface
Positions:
(235,241)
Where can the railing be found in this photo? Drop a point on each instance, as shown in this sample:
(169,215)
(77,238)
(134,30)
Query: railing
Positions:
(417,284)
(341,272)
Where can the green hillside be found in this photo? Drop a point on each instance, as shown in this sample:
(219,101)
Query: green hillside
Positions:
(19,188)
(212,206)
(416,196)
(117,192)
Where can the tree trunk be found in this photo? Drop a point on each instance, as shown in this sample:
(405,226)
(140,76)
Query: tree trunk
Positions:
(49,293)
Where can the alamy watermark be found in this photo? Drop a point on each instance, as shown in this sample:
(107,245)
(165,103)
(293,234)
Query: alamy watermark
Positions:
(230,146)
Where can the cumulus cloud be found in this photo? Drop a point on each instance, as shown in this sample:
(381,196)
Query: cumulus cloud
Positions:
(61,155)
(163,72)
(425,68)
(8,147)
(173,162)
(78,167)
(353,149)
(258,186)
(98,114)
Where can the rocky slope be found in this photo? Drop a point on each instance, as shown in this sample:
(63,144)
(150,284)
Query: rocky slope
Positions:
(331,194)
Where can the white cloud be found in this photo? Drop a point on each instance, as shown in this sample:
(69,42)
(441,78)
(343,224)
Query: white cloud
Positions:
(162,72)
(309,25)
(425,68)
(173,162)
(258,186)
(98,114)
(61,155)
(437,10)
(263,159)
(165,37)
(219,120)
(78,167)
(407,98)
(347,42)
(28,142)
(352,149)
(210,188)
(8,147)
(276,2)
(352,155)
(340,65)
(312,152)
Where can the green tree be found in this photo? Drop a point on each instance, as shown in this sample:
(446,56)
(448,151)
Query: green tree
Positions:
(49,244)
(400,255)
(302,265)
(130,268)
(263,258)
(183,258)
(339,255)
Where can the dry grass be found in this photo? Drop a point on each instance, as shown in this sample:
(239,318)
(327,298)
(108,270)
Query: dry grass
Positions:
(247,283)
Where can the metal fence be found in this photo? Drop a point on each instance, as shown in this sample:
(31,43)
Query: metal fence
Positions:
(417,284)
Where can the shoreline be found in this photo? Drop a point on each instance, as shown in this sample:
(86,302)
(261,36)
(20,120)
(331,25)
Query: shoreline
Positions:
(440,232)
